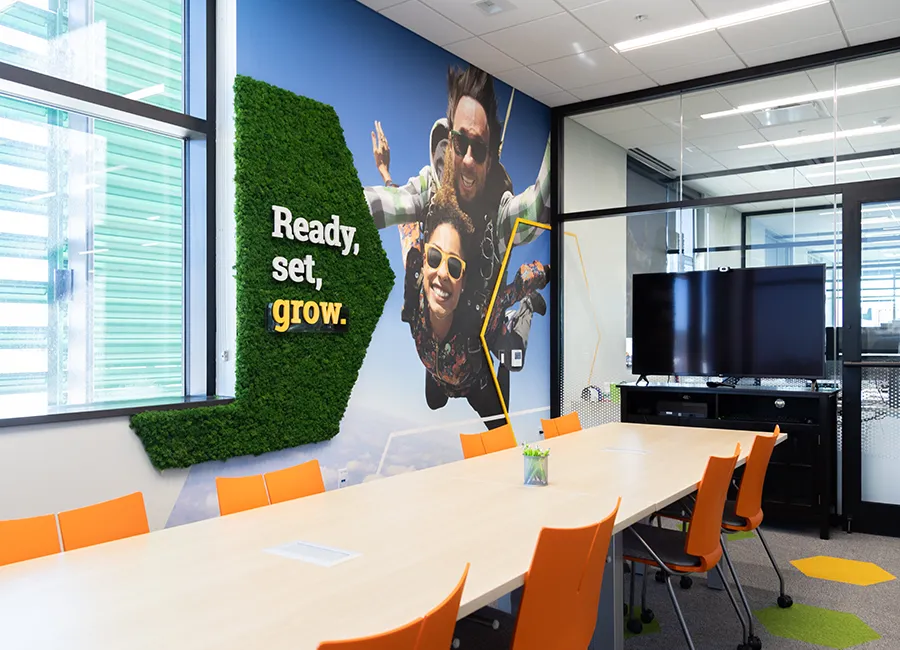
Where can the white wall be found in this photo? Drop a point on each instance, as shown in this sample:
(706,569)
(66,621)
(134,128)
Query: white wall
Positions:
(719,226)
(57,467)
(595,177)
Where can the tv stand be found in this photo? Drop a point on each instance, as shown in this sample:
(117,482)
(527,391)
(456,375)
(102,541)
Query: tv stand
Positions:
(800,485)
(644,379)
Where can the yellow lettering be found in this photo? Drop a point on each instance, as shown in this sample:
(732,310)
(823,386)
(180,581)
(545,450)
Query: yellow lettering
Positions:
(331,312)
(311,312)
(281,315)
(296,304)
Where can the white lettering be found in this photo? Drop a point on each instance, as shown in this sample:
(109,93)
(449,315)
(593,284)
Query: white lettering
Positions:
(347,235)
(297,269)
(301,227)
(316,232)
(332,236)
(281,218)
(280,265)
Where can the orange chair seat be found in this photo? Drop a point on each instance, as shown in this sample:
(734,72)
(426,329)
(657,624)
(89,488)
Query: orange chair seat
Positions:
(295,482)
(668,544)
(104,522)
(26,539)
(732,521)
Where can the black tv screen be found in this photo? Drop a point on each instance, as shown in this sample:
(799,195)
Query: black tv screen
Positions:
(760,322)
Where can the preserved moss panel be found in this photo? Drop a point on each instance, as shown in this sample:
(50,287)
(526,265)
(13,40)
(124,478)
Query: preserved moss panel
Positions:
(291,388)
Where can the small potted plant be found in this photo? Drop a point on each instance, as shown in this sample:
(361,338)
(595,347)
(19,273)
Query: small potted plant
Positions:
(535,464)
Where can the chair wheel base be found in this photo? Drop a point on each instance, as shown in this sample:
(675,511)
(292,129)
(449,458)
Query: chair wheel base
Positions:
(634,626)
(754,643)
(785,601)
(686,582)
(647,616)
(660,577)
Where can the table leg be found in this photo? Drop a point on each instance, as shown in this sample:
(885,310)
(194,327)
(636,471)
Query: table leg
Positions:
(610,631)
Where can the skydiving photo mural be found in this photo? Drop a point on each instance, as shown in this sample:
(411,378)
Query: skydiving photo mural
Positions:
(453,165)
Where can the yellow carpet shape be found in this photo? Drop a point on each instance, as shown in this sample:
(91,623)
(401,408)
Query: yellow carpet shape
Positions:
(837,569)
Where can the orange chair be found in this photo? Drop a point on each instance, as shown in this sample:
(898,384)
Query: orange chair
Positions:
(439,623)
(561,426)
(498,439)
(104,522)
(678,553)
(401,638)
(295,482)
(25,539)
(472,445)
(242,493)
(433,632)
(560,596)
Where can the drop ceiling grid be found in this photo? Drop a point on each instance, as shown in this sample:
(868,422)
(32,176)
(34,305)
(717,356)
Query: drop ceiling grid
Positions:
(513,38)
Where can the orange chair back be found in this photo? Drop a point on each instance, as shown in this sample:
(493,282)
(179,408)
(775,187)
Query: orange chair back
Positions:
(592,580)
(749,498)
(499,439)
(569,423)
(295,482)
(104,522)
(25,539)
(402,638)
(549,428)
(440,622)
(472,445)
(706,521)
(563,582)
(242,493)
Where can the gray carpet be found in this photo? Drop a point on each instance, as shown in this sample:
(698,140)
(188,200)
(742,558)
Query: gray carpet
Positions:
(712,620)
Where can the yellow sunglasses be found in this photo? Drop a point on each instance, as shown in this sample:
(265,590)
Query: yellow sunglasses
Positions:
(435,257)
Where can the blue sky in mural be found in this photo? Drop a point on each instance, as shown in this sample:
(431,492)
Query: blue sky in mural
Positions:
(368,68)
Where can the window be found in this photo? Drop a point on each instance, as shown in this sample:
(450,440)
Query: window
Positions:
(97,213)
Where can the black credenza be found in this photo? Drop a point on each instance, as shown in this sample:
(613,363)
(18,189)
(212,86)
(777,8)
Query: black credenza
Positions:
(800,485)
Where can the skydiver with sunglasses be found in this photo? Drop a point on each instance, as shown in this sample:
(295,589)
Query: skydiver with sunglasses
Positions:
(437,272)
(470,135)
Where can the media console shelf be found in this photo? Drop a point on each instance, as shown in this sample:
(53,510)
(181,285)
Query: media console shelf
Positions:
(800,486)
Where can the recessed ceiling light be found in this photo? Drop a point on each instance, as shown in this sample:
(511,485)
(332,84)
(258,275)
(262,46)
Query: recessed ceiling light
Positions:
(855,170)
(493,7)
(823,137)
(717,23)
(809,97)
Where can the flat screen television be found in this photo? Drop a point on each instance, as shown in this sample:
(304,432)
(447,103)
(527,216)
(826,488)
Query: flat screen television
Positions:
(759,322)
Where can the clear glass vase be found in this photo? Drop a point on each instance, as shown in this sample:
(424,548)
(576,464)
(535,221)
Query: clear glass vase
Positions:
(536,470)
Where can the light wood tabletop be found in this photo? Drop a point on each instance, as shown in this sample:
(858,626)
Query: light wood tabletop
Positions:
(213,585)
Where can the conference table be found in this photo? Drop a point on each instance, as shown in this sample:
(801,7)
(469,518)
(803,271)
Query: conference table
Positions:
(383,552)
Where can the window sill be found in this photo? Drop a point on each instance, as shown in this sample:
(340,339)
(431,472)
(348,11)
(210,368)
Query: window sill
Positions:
(112,409)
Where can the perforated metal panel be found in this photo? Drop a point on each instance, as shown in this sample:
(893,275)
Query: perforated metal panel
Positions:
(880,432)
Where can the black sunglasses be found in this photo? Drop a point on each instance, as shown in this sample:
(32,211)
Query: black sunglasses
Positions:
(462,142)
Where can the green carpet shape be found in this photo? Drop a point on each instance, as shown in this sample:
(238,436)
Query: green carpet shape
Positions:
(821,627)
(743,534)
(649,628)
(293,388)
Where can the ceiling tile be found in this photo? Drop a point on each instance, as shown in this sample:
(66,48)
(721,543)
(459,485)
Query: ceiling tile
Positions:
(646,137)
(686,51)
(780,30)
(734,158)
(469,16)
(872,33)
(528,81)
(807,127)
(793,50)
(690,105)
(560,98)
(425,22)
(868,70)
(701,128)
(870,106)
(545,39)
(861,13)
(776,179)
(378,5)
(719,8)
(597,66)
(484,55)
(751,92)
(726,142)
(617,87)
(696,70)
(614,20)
(617,120)
(577,4)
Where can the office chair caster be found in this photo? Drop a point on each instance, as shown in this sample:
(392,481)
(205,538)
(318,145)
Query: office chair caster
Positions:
(660,577)
(686,582)
(753,643)
(634,626)
(785,601)
(647,616)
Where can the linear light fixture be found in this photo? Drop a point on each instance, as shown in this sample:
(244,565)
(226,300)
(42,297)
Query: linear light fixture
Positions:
(803,99)
(858,170)
(717,23)
(823,137)
(144,93)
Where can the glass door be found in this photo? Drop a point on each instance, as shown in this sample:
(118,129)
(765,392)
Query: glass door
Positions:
(871,358)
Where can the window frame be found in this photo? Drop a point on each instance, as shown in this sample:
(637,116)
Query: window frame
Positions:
(198,135)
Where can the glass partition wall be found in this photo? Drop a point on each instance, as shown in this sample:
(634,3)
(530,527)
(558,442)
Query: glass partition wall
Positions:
(740,175)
